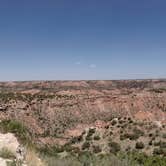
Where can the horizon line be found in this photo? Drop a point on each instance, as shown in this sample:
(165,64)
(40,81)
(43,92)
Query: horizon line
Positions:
(75,80)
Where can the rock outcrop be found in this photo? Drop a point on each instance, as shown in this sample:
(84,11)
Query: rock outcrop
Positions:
(10,147)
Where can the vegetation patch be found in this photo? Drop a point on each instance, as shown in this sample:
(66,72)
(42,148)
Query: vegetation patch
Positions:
(139,145)
(86,145)
(114,147)
(17,128)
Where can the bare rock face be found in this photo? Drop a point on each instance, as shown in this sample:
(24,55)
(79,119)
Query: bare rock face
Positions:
(8,142)
(3,162)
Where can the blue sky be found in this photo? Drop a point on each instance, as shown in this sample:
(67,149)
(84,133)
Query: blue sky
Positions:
(82,39)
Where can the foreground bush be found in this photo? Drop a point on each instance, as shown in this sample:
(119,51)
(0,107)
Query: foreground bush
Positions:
(17,128)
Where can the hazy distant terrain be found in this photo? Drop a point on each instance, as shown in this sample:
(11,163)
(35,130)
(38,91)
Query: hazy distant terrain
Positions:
(87,116)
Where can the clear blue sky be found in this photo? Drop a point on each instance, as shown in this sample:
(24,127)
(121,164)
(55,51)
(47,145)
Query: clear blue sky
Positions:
(82,39)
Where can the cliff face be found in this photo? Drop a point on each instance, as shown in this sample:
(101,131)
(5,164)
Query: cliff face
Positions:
(51,109)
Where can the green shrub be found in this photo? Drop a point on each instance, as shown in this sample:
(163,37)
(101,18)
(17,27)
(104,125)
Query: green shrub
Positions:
(162,144)
(111,133)
(91,131)
(114,122)
(86,145)
(129,118)
(164,135)
(131,136)
(90,134)
(157,143)
(88,138)
(51,151)
(114,147)
(158,151)
(96,149)
(121,131)
(128,149)
(121,121)
(96,137)
(138,132)
(151,135)
(69,148)
(150,143)
(75,140)
(139,145)
(130,121)
(122,137)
